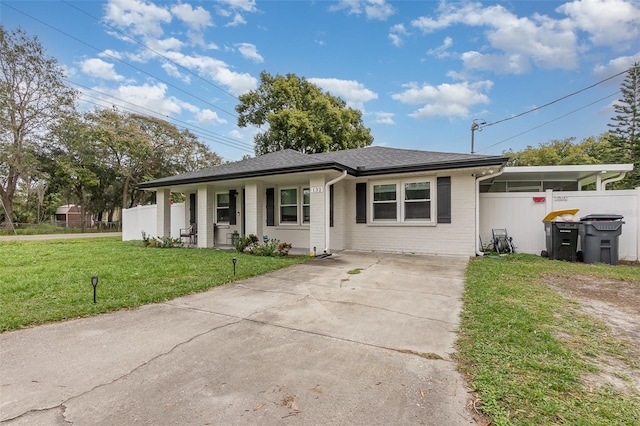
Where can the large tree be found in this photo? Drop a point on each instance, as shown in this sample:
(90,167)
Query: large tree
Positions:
(138,148)
(33,97)
(299,115)
(625,125)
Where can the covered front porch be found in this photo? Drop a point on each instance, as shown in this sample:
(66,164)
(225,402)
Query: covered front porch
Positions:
(293,208)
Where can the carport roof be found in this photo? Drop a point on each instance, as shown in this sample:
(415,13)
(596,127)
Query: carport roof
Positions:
(368,161)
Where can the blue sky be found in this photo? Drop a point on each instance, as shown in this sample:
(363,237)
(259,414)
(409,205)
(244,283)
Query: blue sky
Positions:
(421,72)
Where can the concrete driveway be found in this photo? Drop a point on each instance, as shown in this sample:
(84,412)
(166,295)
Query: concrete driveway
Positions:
(307,345)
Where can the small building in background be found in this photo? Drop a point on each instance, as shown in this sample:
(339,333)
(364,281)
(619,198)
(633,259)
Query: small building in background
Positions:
(70,216)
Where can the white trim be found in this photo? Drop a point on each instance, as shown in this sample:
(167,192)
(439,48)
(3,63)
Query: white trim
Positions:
(400,201)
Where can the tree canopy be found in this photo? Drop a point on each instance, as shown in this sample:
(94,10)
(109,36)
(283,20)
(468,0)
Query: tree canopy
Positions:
(562,152)
(299,115)
(625,125)
(33,97)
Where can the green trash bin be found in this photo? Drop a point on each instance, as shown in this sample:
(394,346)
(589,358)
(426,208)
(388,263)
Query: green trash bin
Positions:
(599,238)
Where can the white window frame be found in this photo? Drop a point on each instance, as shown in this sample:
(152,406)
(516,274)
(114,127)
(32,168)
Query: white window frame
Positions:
(300,221)
(401,201)
(303,205)
(218,207)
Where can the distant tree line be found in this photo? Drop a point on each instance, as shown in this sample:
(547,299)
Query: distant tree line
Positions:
(51,154)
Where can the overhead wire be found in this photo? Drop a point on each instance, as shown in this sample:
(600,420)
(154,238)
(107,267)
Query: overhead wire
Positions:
(493,123)
(218,137)
(123,62)
(548,122)
(201,133)
(130,37)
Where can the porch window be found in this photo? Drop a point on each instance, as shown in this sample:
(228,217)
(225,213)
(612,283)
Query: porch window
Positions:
(222,208)
(385,205)
(417,201)
(306,205)
(289,205)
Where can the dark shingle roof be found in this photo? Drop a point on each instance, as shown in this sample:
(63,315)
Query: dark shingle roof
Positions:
(368,161)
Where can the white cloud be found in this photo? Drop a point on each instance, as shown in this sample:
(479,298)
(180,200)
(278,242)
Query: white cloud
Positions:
(373,9)
(238,19)
(146,97)
(444,100)
(548,43)
(206,116)
(140,18)
(442,50)
(100,69)
(217,70)
(615,66)
(396,34)
(174,72)
(249,51)
(108,53)
(383,118)
(355,94)
(608,22)
(197,19)
(244,5)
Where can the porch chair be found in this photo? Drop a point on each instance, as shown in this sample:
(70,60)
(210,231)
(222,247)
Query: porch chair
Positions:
(189,234)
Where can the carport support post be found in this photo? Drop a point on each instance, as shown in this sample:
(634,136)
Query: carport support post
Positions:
(163,212)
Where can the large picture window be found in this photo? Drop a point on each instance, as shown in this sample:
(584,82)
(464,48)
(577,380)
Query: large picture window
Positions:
(289,205)
(222,208)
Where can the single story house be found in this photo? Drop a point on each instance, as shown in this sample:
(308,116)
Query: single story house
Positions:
(370,199)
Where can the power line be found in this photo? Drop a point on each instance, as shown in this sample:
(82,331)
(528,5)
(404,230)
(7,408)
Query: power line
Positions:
(123,62)
(550,121)
(206,134)
(130,37)
(552,102)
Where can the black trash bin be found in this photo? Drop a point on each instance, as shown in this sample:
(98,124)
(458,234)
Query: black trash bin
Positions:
(562,240)
(599,237)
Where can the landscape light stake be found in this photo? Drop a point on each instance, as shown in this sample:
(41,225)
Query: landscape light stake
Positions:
(94,283)
(234,260)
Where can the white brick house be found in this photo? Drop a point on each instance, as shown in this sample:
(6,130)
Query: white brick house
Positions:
(370,199)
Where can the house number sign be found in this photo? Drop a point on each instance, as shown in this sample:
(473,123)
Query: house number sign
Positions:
(316,189)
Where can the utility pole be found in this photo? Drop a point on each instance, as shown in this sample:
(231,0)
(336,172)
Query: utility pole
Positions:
(475,126)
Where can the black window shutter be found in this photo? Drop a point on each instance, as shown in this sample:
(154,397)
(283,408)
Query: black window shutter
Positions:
(444,199)
(271,207)
(192,208)
(232,206)
(331,206)
(361,203)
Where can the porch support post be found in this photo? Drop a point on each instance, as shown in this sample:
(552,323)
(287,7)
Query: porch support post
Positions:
(206,196)
(317,225)
(254,208)
(163,212)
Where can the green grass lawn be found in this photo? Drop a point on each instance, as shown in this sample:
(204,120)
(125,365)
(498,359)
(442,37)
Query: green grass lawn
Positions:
(525,349)
(44,281)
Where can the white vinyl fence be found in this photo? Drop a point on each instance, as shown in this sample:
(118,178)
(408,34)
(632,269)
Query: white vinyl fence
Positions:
(521,213)
(144,218)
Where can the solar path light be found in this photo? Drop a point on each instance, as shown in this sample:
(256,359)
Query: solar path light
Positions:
(94,283)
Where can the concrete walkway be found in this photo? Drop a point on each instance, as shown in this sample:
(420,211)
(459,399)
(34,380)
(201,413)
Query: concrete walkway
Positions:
(307,345)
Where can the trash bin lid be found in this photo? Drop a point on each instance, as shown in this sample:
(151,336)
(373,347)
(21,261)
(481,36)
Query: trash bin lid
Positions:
(601,216)
(556,213)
